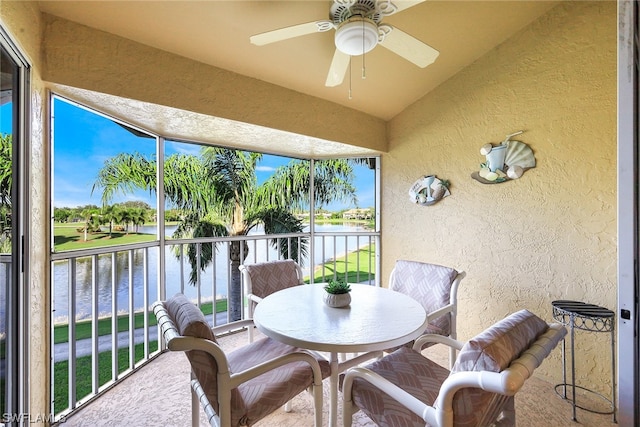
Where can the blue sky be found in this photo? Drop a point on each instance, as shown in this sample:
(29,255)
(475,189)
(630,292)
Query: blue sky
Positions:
(84,140)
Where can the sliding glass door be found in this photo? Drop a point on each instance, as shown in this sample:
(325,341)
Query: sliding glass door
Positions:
(13,89)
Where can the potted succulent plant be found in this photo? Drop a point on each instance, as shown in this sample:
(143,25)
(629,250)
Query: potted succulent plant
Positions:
(337,293)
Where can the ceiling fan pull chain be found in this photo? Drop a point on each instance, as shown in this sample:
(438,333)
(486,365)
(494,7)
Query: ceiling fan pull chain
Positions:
(364,76)
(350,77)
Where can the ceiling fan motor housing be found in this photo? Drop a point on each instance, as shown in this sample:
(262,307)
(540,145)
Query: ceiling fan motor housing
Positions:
(356,36)
(356,24)
(358,29)
(342,10)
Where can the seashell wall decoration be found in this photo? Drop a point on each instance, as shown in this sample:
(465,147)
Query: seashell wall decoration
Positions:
(506,161)
(429,190)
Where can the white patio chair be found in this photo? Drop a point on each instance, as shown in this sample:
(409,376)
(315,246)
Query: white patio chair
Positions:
(436,288)
(406,389)
(243,386)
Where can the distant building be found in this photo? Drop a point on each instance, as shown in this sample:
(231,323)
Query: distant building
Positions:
(305,215)
(357,214)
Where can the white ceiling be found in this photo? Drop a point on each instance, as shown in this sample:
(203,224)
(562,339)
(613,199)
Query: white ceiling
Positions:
(217,33)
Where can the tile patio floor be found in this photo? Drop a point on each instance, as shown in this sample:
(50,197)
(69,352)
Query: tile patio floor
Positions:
(158,394)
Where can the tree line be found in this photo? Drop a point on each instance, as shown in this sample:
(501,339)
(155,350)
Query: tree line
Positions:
(119,217)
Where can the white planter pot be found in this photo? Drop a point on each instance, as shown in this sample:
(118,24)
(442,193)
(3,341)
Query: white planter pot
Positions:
(337,300)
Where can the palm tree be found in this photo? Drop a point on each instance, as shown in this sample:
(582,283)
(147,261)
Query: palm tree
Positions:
(125,218)
(110,214)
(220,195)
(89,215)
(138,217)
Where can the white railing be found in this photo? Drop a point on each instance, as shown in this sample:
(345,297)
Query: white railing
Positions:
(90,285)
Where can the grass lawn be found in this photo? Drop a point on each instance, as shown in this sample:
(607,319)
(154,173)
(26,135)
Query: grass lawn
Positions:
(66,237)
(347,267)
(84,330)
(83,373)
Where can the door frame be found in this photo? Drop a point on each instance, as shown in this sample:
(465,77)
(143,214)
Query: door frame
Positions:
(18,293)
(628,200)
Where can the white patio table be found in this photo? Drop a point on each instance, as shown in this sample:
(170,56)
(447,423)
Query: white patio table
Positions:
(377,319)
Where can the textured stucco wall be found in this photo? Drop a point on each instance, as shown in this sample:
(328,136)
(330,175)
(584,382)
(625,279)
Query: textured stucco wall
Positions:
(23,21)
(79,56)
(549,235)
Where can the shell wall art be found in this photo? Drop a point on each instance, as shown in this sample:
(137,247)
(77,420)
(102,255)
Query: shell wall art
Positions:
(429,190)
(505,161)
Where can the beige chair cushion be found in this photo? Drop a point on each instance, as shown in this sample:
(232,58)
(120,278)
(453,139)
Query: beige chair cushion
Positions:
(272,276)
(410,371)
(258,397)
(430,284)
(264,394)
(190,322)
(492,350)
(188,318)
(495,348)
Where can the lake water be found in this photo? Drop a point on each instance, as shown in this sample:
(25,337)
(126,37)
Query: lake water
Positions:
(214,279)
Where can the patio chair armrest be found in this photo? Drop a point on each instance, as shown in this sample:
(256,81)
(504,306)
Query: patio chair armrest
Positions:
(232,326)
(485,380)
(455,285)
(170,331)
(421,409)
(254,298)
(439,312)
(437,339)
(510,380)
(238,378)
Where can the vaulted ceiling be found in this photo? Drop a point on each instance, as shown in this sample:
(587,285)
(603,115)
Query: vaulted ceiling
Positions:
(217,33)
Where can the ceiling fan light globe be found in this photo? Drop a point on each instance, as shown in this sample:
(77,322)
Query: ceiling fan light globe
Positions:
(356,36)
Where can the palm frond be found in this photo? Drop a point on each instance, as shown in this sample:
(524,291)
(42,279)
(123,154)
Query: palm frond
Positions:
(333,181)
(281,221)
(289,186)
(125,173)
(235,170)
(193,226)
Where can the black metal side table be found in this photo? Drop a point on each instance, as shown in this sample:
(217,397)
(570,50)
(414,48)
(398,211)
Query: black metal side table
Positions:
(592,318)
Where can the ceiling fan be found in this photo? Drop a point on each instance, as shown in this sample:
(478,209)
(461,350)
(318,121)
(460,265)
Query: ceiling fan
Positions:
(359,28)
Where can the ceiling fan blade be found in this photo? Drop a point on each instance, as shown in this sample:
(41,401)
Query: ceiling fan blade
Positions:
(409,47)
(400,5)
(338,69)
(290,32)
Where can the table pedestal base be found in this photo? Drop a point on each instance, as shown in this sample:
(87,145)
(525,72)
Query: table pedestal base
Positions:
(336,368)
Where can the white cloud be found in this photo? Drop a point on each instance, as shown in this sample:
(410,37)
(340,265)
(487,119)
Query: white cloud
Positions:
(265,169)
(182,148)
